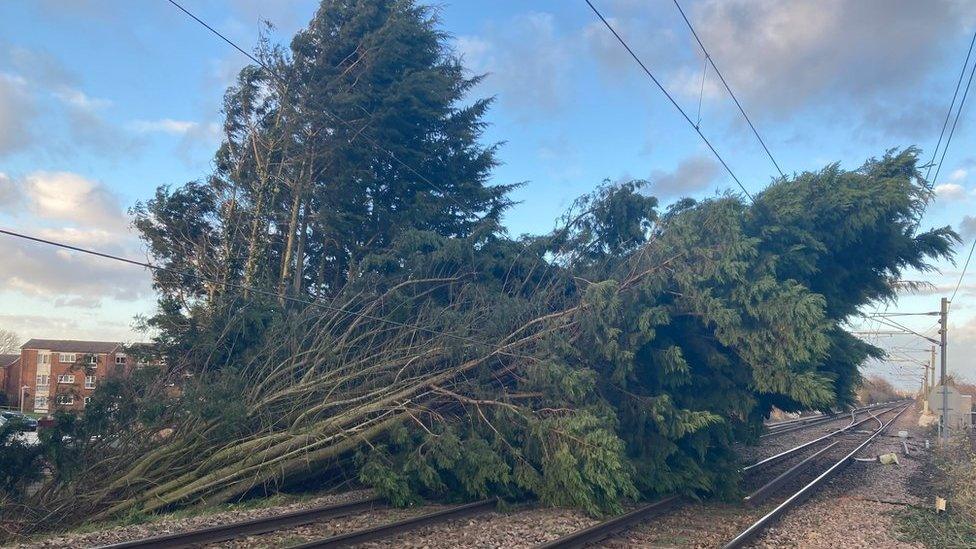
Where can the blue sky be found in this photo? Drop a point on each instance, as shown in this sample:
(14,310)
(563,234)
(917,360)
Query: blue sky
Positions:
(101,101)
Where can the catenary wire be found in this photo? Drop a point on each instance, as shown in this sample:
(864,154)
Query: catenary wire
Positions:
(952,103)
(964,269)
(236,286)
(962,103)
(669,96)
(711,61)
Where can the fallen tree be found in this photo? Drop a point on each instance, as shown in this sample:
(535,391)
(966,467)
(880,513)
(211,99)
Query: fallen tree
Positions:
(408,344)
(615,358)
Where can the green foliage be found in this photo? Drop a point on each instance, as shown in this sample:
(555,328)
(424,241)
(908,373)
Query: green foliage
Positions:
(616,358)
(20,463)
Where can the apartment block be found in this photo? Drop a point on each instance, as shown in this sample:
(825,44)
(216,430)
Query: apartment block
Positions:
(60,374)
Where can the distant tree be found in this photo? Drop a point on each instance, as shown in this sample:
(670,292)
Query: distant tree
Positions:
(9,342)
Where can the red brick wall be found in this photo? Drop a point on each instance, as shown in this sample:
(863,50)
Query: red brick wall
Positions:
(106,368)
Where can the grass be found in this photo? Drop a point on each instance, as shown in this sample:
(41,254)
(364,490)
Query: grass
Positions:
(943,530)
(955,479)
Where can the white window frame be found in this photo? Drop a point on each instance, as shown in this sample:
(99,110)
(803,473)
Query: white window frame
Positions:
(40,402)
(66,399)
(67,358)
(43,357)
(87,400)
(66,379)
(92,360)
(120,359)
(90,382)
(42,380)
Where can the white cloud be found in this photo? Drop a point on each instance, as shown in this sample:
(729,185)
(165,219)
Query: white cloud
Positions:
(11,195)
(71,198)
(860,63)
(78,99)
(70,120)
(692,175)
(69,208)
(967,227)
(950,191)
(165,125)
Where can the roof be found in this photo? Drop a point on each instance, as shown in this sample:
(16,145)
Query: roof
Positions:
(72,346)
(7,360)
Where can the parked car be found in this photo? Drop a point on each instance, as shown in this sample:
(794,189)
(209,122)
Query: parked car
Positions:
(19,421)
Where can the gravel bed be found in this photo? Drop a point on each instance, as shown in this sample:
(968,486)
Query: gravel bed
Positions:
(699,525)
(328,528)
(844,513)
(832,522)
(517,529)
(164,525)
(855,508)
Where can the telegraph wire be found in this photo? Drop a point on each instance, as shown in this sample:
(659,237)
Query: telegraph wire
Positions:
(669,96)
(952,103)
(711,61)
(235,286)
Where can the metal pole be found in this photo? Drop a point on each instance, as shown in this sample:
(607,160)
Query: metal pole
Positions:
(23,391)
(925,388)
(932,382)
(944,326)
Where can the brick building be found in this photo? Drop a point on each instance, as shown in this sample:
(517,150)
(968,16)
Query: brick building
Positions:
(62,374)
(8,369)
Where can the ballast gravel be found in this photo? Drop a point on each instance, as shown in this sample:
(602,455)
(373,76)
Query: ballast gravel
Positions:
(164,526)
(853,510)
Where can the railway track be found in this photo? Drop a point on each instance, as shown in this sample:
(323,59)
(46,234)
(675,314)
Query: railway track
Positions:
(825,464)
(226,532)
(805,467)
(767,477)
(791,425)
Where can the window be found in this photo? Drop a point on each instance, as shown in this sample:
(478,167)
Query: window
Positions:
(40,402)
(43,381)
(43,358)
(66,378)
(87,400)
(120,359)
(93,360)
(89,382)
(66,399)
(65,358)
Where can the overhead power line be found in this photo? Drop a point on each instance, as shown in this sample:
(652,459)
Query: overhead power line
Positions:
(964,269)
(669,96)
(952,130)
(236,286)
(711,61)
(952,103)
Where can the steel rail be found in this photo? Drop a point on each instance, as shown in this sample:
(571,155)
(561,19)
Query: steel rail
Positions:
(786,453)
(605,529)
(804,492)
(803,423)
(251,527)
(766,490)
(391,529)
